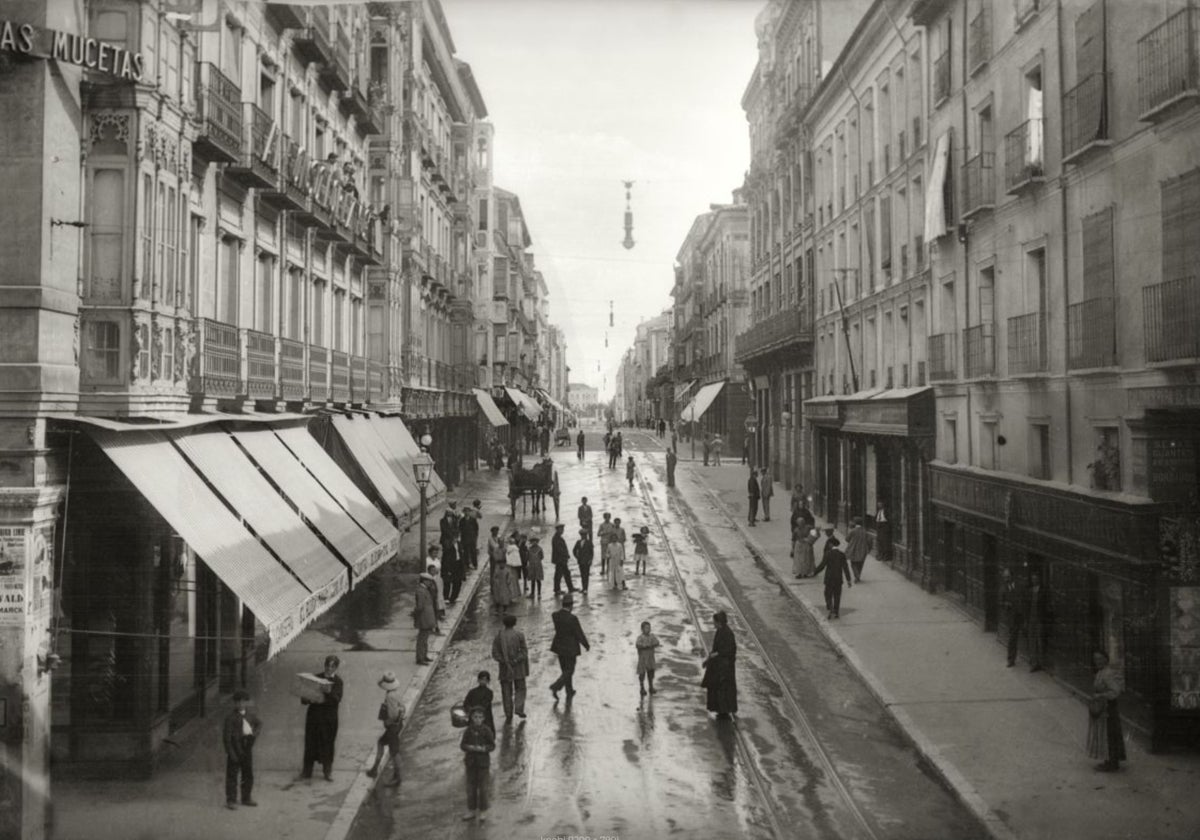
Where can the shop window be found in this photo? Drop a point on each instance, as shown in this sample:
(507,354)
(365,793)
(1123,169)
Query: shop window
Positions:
(102,351)
(105,235)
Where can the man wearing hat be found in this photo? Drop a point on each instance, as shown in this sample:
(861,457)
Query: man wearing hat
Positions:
(241,728)
(584,551)
(834,563)
(424,616)
(560,556)
(567,644)
(391,713)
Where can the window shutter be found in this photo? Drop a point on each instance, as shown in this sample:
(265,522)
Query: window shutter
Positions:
(1180,225)
(1098,266)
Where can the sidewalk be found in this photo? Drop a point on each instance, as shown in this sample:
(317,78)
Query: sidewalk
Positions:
(185,798)
(1010,742)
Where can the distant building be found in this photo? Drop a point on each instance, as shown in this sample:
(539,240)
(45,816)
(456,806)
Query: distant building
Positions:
(582,398)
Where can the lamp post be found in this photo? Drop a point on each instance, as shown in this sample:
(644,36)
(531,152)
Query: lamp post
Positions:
(423,470)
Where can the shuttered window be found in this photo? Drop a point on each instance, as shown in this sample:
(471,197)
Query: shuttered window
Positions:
(1089,41)
(1098,266)
(885,233)
(1180,225)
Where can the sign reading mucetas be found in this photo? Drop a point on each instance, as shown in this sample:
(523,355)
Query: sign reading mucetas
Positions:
(27,39)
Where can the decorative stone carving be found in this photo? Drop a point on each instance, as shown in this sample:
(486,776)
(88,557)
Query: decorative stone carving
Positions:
(183,351)
(190,356)
(156,350)
(114,125)
(75,339)
(146,142)
(135,355)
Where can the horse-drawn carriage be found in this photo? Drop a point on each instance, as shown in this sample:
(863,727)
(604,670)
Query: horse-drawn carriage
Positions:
(562,437)
(537,482)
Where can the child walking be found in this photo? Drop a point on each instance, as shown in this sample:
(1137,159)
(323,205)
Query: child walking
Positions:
(641,552)
(534,570)
(629,471)
(646,643)
(477,742)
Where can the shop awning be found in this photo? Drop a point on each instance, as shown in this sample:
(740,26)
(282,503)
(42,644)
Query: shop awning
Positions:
(702,402)
(397,436)
(489,408)
(367,449)
(217,535)
(823,411)
(557,405)
(684,389)
(904,412)
(527,404)
(334,515)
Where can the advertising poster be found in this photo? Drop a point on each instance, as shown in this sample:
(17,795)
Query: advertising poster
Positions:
(12,576)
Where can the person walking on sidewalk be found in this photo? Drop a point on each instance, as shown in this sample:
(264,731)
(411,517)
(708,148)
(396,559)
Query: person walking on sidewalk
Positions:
(560,556)
(646,666)
(391,715)
(766,491)
(1106,739)
(857,546)
(1014,601)
(510,650)
(1039,615)
(433,568)
(241,729)
(718,444)
(605,533)
(630,472)
(707,448)
(424,618)
(534,569)
(584,551)
(802,516)
(452,571)
(616,557)
(803,561)
(835,567)
(523,553)
(569,641)
(481,697)
(579,444)
(321,722)
(585,516)
(477,743)
(883,533)
(468,537)
(502,593)
(720,670)
(752,493)
(672,460)
(449,525)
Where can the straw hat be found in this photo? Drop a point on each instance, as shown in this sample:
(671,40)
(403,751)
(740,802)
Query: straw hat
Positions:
(388,681)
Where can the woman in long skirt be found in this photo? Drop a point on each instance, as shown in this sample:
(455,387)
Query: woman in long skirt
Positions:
(1106,739)
(720,670)
(616,557)
(803,538)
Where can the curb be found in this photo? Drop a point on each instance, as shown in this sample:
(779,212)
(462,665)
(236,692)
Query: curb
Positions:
(944,768)
(362,785)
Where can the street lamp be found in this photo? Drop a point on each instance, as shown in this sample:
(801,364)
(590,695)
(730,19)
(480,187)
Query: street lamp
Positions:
(423,471)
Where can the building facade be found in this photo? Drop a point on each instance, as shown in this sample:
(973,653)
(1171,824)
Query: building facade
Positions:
(582,398)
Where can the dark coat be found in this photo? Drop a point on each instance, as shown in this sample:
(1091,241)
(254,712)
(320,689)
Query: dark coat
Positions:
(321,724)
(835,565)
(478,736)
(509,649)
(568,634)
(449,523)
(424,616)
(752,489)
(585,516)
(720,673)
(482,697)
(468,530)
(584,551)
(560,555)
(236,744)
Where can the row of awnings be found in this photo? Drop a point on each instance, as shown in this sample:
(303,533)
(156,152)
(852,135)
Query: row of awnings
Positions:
(270,511)
(525,403)
(701,402)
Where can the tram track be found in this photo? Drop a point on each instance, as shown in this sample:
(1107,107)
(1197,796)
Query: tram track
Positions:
(797,713)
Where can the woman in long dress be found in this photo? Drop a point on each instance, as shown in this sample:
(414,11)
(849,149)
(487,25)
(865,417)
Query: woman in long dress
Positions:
(720,670)
(1105,737)
(502,596)
(616,557)
(803,563)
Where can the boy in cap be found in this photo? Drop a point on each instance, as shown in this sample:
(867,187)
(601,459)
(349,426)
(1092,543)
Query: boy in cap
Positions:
(241,728)
(391,713)
(481,696)
(477,743)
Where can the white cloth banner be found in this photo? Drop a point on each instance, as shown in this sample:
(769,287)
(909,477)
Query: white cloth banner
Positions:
(935,201)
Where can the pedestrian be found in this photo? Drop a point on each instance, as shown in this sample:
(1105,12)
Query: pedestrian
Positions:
(803,562)
(645,644)
(612,453)
(567,644)
(585,516)
(502,596)
(391,715)
(434,560)
(707,448)
(672,460)
(1015,602)
(241,729)
(583,552)
(1038,615)
(534,569)
(424,618)
(835,566)
(720,670)
(321,722)
(630,472)
(449,526)
(718,444)
(560,556)
(641,550)
(510,650)
(579,444)
(883,533)
(766,491)
(674,439)
(857,546)
(452,571)
(477,743)
(802,516)
(605,533)
(513,561)
(798,499)
(523,551)
(752,493)
(616,557)
(468,537)
(620,446)
(1106,738)
(481,697)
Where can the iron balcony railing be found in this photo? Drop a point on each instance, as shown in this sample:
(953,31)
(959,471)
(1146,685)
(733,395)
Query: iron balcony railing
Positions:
(318,373)
(217,366)
(979,180)
(942,352)
(291,370)
(789,327)
(1167,61)
(219,113)
(1024,152)
(941,77)
(979,39)
(1171,312)
(258,164)
(313,42)
(1091,334)
(979,350)
(1085,113)
(1027,343)
(261,366)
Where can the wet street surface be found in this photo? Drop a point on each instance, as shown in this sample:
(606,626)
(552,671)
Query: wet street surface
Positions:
(810,754)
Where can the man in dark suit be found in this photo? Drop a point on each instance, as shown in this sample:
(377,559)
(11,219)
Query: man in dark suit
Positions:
(752,494)
(560,556)
(835,566)
(449,526)
(238,734)
(568,639)
(468,537)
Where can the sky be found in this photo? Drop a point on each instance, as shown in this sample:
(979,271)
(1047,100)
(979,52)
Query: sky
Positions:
(585,94)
